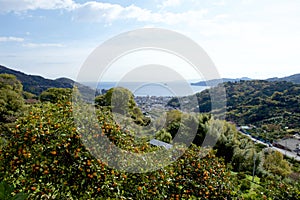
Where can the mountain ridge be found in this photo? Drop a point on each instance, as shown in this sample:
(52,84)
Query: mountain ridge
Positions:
(215,82)
(295,78)
(36,84)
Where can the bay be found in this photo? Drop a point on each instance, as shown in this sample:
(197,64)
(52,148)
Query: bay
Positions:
(162,89)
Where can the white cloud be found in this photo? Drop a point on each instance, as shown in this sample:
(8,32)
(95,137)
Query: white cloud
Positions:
(170,3)
(98,12)
(24,5)
(11,39)
(93,11)
(220,3)
(36,45)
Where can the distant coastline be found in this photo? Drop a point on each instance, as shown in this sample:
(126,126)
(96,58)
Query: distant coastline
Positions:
(151,89)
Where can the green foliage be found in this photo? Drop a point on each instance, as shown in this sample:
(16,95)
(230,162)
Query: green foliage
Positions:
(121,101)
(276,189)
(11,101)
(255,102)
(275,164)
(47,159)
(163,135)
(28,95)
(260,102)
(54,95)
(236,149)
(8,81)
(244,156)
(245,185)
(6,193)
(35,84)
(293,78)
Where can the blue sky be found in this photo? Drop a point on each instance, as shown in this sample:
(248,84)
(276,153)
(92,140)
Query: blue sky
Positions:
(254,38)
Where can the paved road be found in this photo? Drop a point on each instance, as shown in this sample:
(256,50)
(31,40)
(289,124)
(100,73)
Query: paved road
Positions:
(284,152)
(287,153)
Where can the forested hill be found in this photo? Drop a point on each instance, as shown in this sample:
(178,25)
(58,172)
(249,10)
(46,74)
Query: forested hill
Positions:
(34,84)
(257,101)
(252,102)
(37,84)
(215,82)
(293,78)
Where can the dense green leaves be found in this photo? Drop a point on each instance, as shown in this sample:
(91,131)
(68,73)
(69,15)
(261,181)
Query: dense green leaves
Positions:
(256,102)
(46,158)
(6,191)
(11,101)
(50,156)
(275,164)
(54,95)
(121,101)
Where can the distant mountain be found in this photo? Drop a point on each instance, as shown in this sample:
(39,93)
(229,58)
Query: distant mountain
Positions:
(215,82)
(37,84)
(34,84)
(86,92)
(293,78)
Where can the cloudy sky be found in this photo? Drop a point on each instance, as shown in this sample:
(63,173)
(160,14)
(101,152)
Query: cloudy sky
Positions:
(253,38)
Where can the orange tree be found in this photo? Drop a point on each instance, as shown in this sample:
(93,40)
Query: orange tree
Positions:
(46,158)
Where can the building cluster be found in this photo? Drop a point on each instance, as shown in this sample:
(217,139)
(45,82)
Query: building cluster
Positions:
(148,103)
(291,144)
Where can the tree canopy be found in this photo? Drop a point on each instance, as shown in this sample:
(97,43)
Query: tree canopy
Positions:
(54,95)
(11,100)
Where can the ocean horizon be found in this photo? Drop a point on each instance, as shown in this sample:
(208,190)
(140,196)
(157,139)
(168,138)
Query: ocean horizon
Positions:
(151,89)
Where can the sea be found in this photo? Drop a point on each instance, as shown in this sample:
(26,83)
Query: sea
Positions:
(163,89)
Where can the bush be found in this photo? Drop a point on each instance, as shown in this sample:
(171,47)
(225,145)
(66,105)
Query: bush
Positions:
(6,193)
(245,185)
(47,159)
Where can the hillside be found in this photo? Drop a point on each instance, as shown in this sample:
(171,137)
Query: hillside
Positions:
(34,84)
(256,102)
(215,82)
(293,78)
(37,84)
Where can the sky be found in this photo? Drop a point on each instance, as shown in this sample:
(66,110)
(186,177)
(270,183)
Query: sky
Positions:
(247,38)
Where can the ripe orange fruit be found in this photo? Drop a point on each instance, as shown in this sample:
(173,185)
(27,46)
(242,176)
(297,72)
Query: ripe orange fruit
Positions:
(89,163)
(136,150)
(90,176)
(139,188)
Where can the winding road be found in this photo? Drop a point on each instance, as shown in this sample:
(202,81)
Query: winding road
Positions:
(283,151)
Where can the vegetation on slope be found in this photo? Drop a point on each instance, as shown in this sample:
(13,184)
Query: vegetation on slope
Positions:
(33,84)
(256,102)
(46,156)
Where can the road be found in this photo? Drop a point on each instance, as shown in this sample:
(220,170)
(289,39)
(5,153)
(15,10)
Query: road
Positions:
(284,152)
(287,153)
